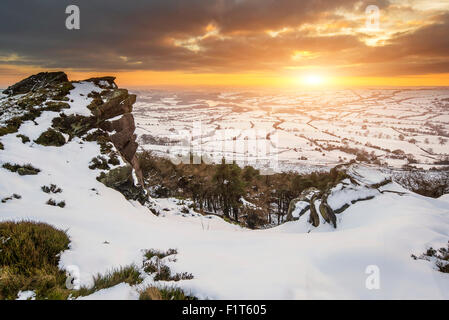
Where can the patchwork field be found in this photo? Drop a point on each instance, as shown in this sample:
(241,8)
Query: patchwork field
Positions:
(304,130)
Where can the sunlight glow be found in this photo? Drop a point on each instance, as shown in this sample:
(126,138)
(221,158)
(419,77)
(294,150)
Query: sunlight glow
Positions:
(313,80)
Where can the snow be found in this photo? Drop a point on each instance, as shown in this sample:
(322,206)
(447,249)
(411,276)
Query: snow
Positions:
(300,205)
(292,261)
(80,99)
(336,200)
(122,291)
(26,295)
(444,197)
(306,122)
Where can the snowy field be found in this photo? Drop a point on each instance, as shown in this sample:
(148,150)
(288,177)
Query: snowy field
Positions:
(292,261)
(302,129)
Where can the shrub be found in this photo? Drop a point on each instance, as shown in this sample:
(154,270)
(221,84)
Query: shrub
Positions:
(51,138)
(150,253)
(24,170)
(1,146)
(73,125)
(113,159)
(129,274)
(63,90)
(29,260)
(51,189)
(52,202)
(441,257)
(161,271)
(24,138)
(95,135)
(7,130)
(14,196)
(56,106)
(99,163)
(150,293)
(164,293)
(96,101)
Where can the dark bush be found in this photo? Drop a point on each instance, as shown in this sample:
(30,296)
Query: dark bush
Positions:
(24,170)
(51,138)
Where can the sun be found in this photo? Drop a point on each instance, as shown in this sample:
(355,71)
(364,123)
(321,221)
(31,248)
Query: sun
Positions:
(313,79)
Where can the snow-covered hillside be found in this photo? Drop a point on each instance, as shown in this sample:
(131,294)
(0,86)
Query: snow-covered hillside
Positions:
(292,261)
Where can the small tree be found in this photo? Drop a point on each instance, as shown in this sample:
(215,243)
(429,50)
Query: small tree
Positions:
(230,187)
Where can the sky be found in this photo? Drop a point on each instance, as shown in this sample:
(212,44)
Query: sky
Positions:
(273,43)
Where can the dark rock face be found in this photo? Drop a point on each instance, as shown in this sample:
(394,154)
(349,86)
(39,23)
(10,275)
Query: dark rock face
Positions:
(111,103)
(119,102)
(303,197)
(314,219)
(104,82)
(326,211)
(37,81)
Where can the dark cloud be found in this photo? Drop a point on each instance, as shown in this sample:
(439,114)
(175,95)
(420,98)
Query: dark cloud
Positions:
(131,35)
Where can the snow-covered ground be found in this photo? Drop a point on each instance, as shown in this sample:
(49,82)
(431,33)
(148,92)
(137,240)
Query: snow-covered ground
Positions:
(306,129)
(292,261)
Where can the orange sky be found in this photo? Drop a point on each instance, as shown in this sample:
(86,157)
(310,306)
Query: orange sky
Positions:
(235,43)
(142,78)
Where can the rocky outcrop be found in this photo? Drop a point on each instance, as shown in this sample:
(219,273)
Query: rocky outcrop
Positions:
(118,102)
(36,82)
(111,111)
(305,196)
(104,82)
(326,211)
(314,219)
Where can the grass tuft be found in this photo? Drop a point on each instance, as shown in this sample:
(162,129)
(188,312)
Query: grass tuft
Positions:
(29,260)
(150,253)
(129,274)
(164,293)
(23,170)
(154,265)
(52,202)
(24,138)
(51,189)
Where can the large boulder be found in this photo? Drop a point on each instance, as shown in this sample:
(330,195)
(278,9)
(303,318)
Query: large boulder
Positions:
(326,211)
(106,82)
(314,219)
(305,196)
(36,82)
(118,102)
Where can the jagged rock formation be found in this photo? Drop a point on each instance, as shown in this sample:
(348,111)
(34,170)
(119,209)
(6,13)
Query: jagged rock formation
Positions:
(110,119)
(36,82)
(304,197)
(118,102)
(326,211)
(314,219)
(338,196)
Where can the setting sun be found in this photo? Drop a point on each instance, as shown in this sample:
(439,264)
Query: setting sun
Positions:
(313,80)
